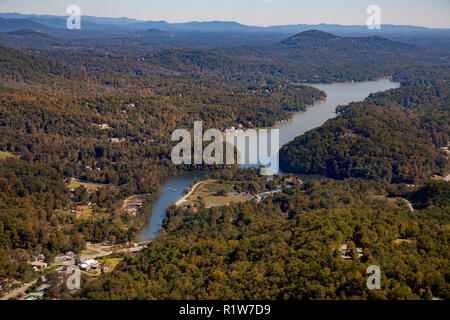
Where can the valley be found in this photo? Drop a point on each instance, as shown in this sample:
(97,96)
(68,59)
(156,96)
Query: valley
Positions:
(87,177)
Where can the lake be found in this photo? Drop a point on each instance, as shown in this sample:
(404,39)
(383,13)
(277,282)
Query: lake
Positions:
(313,117)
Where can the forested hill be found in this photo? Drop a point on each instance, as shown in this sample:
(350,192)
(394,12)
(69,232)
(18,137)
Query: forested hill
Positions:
(288,248)
(20,66)
(320,47)
(311,56)
(394,136)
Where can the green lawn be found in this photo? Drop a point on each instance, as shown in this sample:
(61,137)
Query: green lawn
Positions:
(88,185)
(207,193)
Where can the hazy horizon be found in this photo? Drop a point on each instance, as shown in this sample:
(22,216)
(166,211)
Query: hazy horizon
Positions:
(228,21)
(260,13)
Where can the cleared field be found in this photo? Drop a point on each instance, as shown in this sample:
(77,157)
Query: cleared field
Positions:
(214,193)
(89,252)
(133,203)
(135,200)
(6,155)
(399,241)
(384,198)
(74,184)
(110,263)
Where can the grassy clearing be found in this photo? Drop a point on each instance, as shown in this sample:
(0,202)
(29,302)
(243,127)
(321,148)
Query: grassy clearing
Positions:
(214,193)
(6,155)
(384,198)
(88,212)
(74,184)
(89,252)
(135,200)
(399,241)
(111,263)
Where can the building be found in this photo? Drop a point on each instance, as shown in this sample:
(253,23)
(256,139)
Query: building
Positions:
(39,265)
(69,255)
(346,253)
(89,264)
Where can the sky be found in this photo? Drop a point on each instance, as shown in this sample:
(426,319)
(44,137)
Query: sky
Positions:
(429,13)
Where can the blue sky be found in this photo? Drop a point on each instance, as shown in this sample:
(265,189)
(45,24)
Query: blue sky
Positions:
(430,13)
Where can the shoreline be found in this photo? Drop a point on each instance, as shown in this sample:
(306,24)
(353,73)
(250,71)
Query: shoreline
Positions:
(181,200)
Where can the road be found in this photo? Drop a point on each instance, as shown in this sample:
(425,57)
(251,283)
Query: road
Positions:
(17,291)
(183,198)
(409,204)
(107,250)
(101,253)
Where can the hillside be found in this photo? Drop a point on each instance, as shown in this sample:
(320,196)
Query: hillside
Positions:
(319,47)
(287,248)
(394,136)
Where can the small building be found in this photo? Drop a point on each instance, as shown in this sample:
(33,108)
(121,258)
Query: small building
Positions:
(349,133)
(346,254)
(62,258)
(89,264)
(39,265)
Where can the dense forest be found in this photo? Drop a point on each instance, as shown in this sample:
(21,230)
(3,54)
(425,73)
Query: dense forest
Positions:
(54,135)
(311,56)
(394,136)
(287,248)
(103,111)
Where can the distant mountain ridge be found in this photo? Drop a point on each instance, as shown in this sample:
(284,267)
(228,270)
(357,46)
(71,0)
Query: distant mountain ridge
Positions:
(212,33)
(103,23)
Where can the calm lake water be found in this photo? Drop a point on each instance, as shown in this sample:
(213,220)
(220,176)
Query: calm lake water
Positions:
(315,116)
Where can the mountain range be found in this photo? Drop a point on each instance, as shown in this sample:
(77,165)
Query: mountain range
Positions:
(100,27)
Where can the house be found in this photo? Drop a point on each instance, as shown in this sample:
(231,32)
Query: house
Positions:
(132,210)
(89,264)
(348,133)
(39,265)
(69,255)
(346,254)
(62,258)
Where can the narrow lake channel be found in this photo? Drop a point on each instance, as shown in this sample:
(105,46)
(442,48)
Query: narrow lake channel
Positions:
(313,117)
